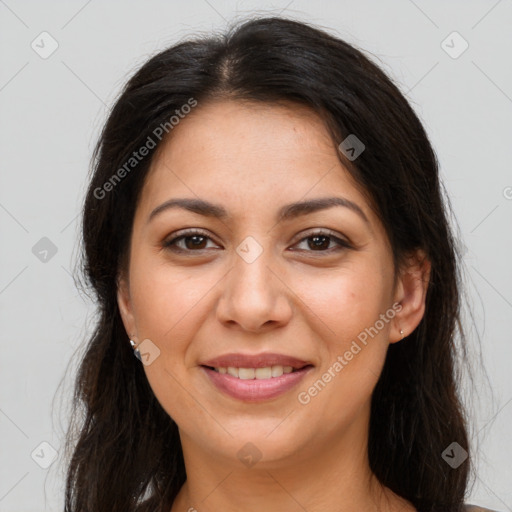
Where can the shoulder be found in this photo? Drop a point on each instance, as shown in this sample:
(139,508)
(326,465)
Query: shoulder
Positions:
(476,508)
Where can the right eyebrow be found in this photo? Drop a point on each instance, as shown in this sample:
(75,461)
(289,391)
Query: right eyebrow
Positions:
(198,206)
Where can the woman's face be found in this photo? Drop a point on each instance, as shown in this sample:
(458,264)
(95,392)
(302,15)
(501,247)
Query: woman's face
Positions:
(253,268)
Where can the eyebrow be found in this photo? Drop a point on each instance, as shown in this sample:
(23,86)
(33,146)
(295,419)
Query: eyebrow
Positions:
(287,212)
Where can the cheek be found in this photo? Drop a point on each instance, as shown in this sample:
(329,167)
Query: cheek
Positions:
(346,301)
(349,305)
(170,306)
(352,360)
(165,297)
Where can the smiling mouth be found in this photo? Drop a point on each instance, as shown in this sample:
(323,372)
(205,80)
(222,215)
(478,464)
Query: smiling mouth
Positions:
(256,384)
(264,373)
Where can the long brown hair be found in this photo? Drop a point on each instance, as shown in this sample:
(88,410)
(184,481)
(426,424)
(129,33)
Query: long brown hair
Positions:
(126,452)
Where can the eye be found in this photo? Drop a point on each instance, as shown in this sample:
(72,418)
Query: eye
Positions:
(321,240)
(196,240)
(192,240)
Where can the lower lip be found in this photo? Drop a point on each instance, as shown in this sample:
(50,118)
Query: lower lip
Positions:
(255,390)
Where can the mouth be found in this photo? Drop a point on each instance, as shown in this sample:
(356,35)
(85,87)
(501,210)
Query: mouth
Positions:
(260,363)
(255,378)
(261,373)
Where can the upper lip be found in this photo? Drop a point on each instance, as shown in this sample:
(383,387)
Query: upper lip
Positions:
(255,361)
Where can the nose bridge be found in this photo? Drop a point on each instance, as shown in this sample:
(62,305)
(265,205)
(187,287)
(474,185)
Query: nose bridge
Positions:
(252,280)
(252,270)
(252,294)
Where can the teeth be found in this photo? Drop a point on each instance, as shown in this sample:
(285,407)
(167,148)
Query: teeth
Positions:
(232,371)
(263,373)
(256,373)
(246,373)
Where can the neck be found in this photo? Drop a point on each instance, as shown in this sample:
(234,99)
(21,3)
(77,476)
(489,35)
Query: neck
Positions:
(332,473)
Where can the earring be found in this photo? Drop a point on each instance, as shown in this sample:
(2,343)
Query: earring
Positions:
(136,351)
(402,333)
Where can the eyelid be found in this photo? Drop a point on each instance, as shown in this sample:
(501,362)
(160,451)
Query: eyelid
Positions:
(189,232)
(342,242)
(184,233)
(322,232)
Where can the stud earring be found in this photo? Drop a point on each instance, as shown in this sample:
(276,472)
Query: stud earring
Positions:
(402,333)
(136,351)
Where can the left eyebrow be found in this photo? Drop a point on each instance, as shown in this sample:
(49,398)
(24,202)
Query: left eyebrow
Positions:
(287,212)
(294,210)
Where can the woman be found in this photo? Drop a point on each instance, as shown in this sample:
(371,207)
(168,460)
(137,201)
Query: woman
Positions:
(265,228)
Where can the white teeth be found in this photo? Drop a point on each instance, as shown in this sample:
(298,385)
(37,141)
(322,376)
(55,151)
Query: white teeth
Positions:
(263,373)
(246,373)
(277,371)
(232,371)
(256,373)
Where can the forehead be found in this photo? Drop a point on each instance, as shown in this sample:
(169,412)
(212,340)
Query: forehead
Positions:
(249,154)
(237,131)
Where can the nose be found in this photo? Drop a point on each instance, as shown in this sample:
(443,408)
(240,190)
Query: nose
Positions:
(253,296)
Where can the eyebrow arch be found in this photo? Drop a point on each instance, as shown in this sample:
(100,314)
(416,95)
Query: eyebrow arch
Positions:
(294,210)
(287,212)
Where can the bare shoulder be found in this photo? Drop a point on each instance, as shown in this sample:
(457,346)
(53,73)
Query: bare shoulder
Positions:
(476,508)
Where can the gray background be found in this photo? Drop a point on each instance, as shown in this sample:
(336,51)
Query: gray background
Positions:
(52,110)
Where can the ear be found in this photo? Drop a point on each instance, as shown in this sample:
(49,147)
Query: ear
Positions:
(410,293)
(125,306)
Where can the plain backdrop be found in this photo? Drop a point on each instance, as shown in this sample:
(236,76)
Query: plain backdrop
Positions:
(52,106)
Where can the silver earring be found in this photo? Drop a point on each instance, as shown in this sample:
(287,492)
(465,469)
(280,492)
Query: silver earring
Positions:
(136,351)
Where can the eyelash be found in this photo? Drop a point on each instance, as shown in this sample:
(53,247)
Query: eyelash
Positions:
(342,244)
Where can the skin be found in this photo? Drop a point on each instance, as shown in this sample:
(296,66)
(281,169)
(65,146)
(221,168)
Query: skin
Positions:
(294,299)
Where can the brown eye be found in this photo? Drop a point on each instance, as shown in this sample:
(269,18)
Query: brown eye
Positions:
(189,241)
(320,241)
(195,241)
